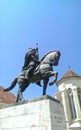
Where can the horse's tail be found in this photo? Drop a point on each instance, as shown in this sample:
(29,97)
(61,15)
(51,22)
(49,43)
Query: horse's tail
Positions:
(12,85)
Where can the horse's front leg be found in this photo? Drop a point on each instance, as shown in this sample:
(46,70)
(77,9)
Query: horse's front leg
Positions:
(45,82)
(55,78)
(49,74)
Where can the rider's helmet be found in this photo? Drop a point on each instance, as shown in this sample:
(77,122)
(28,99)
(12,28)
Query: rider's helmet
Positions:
(34,51)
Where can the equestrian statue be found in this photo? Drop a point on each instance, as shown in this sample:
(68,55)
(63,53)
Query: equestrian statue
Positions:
(33,71)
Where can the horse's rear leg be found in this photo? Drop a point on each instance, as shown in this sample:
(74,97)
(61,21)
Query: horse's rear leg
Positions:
(19,95)
(45,82)
(22,86)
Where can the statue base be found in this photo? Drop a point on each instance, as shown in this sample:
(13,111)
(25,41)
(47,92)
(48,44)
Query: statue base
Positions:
(42,113)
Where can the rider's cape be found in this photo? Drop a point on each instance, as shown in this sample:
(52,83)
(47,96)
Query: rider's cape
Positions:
(27,61)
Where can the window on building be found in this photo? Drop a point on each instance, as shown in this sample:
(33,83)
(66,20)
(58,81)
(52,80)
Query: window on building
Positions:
(79,96)
(71,104)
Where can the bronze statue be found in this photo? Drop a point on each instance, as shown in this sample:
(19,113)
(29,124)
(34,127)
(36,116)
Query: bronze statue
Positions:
(42,71)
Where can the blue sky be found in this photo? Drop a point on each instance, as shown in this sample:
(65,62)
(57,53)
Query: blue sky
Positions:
(53,24)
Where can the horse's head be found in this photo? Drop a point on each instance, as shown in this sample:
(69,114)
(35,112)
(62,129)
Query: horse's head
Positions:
(52,58)
(56,57)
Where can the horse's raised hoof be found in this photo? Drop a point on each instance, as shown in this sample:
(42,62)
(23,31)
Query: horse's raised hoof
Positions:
(51,83)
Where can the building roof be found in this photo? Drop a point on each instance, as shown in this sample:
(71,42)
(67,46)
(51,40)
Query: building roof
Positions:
(6,97)
(69,74)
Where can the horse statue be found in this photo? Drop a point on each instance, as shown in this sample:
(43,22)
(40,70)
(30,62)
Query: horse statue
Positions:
(42,72)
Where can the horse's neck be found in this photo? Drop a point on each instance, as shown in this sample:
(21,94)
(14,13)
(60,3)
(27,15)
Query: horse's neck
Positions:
(48,58)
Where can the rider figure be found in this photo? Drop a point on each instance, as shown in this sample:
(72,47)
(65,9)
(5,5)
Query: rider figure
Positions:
(31,62)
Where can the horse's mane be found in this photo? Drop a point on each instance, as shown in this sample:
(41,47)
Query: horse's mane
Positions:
(49,53)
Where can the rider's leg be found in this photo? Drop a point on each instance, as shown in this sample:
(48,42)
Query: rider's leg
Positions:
(28,72)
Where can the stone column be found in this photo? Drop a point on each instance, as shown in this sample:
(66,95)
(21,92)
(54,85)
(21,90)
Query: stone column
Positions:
(66,106)
(76,102)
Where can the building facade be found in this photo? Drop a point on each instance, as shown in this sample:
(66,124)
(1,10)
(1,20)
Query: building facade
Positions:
(69,94)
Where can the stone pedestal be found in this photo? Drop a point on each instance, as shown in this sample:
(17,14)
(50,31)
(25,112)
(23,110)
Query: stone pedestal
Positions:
(43,113)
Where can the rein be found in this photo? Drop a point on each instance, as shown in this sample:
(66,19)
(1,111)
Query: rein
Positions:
(43,62)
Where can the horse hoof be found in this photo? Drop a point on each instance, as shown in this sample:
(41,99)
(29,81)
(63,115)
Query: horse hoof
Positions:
(50,84)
